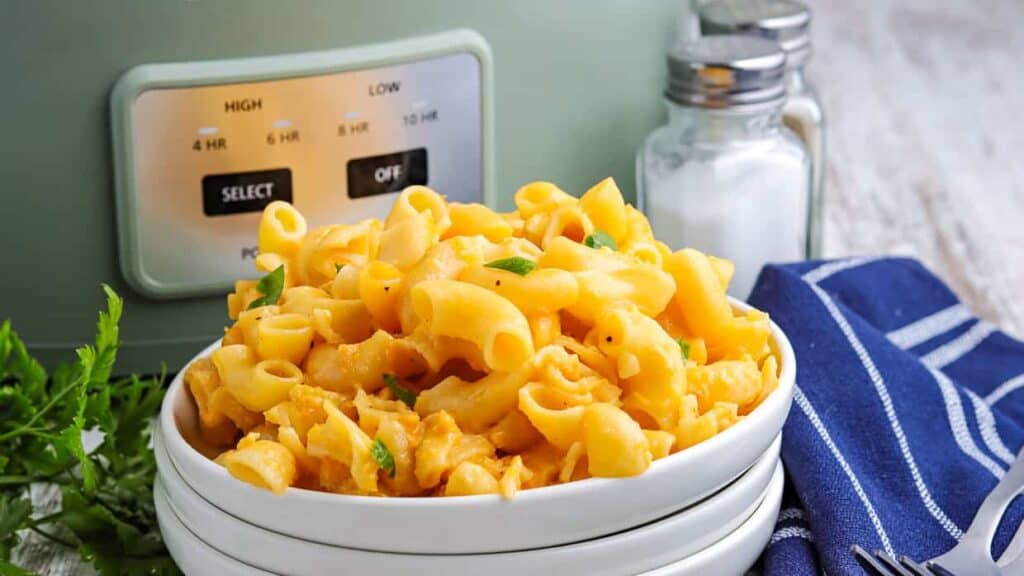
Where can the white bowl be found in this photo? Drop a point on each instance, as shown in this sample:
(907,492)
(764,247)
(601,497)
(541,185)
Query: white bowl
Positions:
(733,555)
(192,555)
(737,552)
(656,544)
(535,518)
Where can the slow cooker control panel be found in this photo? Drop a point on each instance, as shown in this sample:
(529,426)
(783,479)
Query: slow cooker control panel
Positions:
(201,148)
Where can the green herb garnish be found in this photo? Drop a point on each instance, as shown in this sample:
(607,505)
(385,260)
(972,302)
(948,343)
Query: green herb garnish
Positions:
(106,492)
(600,239)
(684,348)
(338,267)
(270,286)
(383,456)
(404,394)
(515,264)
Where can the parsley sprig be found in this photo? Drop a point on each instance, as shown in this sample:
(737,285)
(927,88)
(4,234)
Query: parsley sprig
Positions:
(270,286)
(600,239)
(402,393)
(106,510)
(515,264)
(684,348)
(385,460)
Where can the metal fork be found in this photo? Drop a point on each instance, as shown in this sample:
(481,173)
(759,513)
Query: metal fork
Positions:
(971,556)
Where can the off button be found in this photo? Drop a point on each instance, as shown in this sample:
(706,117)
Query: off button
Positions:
(386,173)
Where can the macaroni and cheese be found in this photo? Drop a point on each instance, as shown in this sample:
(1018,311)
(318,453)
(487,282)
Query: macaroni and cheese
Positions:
(454,350)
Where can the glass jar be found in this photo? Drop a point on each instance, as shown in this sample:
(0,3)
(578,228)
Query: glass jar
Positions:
(802,114)
(788,23)
(725,176)
(687,27)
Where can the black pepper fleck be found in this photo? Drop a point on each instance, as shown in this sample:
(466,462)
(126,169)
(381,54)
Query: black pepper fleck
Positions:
(386,288)
(608,339)
(497,282)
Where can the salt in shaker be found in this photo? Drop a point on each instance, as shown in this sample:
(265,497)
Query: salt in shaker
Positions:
(788,23)
(725,176)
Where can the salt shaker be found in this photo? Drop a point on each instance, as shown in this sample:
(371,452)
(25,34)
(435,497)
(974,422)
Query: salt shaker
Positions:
(788,23)
(725,176)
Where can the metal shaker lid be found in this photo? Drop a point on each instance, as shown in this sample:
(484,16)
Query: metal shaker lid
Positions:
(784,21)
(726,71)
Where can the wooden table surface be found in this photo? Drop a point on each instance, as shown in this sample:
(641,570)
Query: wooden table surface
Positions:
(925,108)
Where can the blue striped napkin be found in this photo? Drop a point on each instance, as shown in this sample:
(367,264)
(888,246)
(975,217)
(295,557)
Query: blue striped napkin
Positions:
(907,412)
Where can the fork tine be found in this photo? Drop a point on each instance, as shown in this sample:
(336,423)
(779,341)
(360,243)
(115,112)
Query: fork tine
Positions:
(1015,566)
(868,562)
(939,570)
(915,568)
(891,563)
(1015,549)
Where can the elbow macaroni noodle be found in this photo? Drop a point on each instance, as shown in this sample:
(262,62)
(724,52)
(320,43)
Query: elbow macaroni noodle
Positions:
(397,362)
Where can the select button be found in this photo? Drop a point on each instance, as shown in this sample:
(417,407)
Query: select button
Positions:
(386,173)
(245,191)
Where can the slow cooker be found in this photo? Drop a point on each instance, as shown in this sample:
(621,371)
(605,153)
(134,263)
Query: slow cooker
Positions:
(141,139)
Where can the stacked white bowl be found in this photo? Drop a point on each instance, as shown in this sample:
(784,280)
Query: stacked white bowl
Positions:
(709,509)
